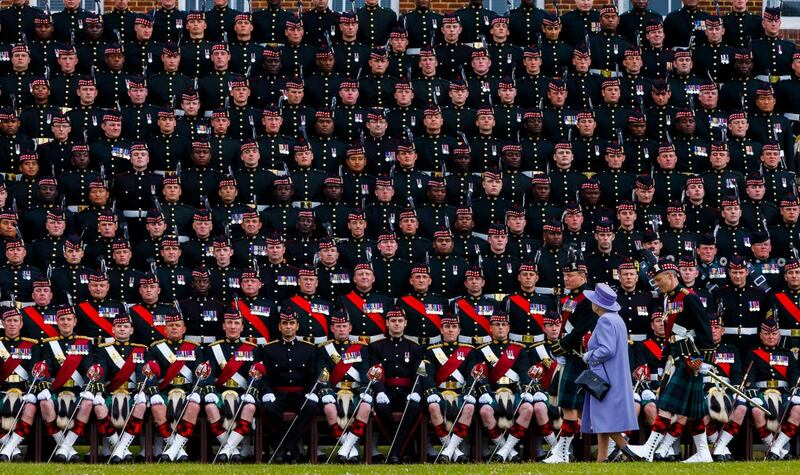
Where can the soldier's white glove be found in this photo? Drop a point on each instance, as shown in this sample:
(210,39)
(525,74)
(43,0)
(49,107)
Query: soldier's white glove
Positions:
(140,398)
(382,398)
(434,399)
(413,397)
(311,397)
(87,395)
(194,397)
(648,395)
(248,398)
(706,368)
(636,397)
(29,398)
(43,395)
(328,399)
(156,400)
(485,398)
(527,397)
(539,396)
(758,401)
(98,400)
(367,398)
(269,397)
(469,399)
(794,399)
(211,398)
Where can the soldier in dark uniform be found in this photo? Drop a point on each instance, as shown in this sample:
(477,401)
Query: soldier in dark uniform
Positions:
(291,364)
(400,358)
(21,357)
(742,304)
(766,126)
(269,23)
(741,25)
(149,315)
(236,367)
(447,268)
(690,344)
(17,277)
(422,25)
(195,51)
(580,22)
(70,280)
(347,363)
(393,270)
(506,381)
(96,313)
(527,307)
(312,311)
(17,20)
(474,309)
(633,23)
(366,307)
(715,59)
(259,313)
(606,47)
(375,23)
(177,279)
(221,20)
(48,250)
(167,147)
(777,179)
(772,55)
(783,305)
(771,378)
(785,234)
(39,319)
(122,276)
(119,362)
(350,55)
(578,319)
(318,21)
(202,312)
(766,269)
(423,309)
(175,361)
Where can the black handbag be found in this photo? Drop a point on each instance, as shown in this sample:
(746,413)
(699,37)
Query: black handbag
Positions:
(593,384)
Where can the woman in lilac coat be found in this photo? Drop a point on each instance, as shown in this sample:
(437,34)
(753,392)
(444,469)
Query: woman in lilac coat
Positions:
(607,356)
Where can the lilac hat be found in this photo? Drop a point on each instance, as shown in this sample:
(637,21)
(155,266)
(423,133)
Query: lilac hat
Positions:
(603,296)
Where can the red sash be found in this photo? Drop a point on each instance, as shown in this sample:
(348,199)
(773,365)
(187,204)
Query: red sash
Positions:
(38,319)
(341,367)
(525,306)
(788,305)
(126,371)
(376,318)
(232,367)
(765,356)
(306,306)
(101,322)
(654,348)
(70,364)
(504,363)
(452,364)
(175,367)
(547,377)
(145,315)
(11,363)
(671,318)
(254,320)
(471,313)
(725,367)
(414,303)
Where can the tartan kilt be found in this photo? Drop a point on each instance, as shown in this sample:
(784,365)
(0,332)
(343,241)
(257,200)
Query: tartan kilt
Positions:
(570,395)
(683,394)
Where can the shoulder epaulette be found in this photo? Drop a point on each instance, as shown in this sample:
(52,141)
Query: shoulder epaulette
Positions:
(482,345)
(517,343)
(684,290)
(139,345)
(83,336)
(32,340)
(433,347)
(302,340)
(157,342)
(469,345)
(103,345)
(192,342)
(273,342)
(48,340)
(215,342)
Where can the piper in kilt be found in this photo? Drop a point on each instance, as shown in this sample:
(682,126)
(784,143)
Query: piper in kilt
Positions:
(689,344)
(578,321)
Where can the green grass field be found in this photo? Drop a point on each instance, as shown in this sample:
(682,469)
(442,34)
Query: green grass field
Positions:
(760,468)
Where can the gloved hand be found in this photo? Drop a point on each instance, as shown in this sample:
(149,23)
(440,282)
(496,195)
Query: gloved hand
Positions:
(328,399)
(29,398)
(527,397)
(485,398)
(87,395)
(248,399)
(269,397)
(413,397)
(367,398)
(98,400)
(140,398)
(211,398)
(433,399)
(752,393)
(156,400)
(382,398)
(758,401)
(44,395)
(539,396)
(706,368)
(194,397)
(648,395)
(795,399)
(636,397)
(469,399)
(312,397)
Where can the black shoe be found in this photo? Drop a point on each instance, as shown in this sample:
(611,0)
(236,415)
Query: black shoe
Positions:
(392,460)
(236,458)
(628,454)
(164,458)
(354,460)
(76,458)
(222,458)
(341,459)
(515,459)
(183,459)
(59,458)
(497,459)
(114,460)
(773,456)
(280,457)
(461,459)
(378,458)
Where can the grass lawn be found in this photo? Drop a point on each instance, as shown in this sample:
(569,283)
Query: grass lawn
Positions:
(760,468)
